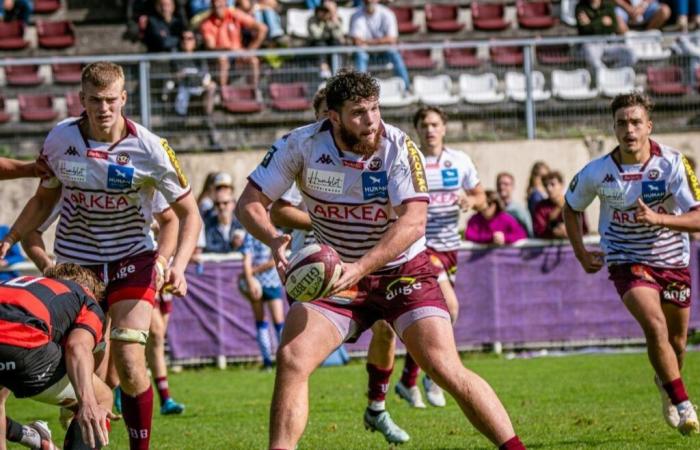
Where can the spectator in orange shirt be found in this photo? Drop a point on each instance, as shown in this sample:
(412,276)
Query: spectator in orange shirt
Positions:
(223,30)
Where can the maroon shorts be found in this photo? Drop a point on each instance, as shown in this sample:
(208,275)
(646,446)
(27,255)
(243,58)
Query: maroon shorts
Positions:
(443,262)
(400,296)
(131,278)
(164,302)
(673,285)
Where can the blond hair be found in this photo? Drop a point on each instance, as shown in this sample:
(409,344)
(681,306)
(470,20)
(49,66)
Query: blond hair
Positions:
(102,74)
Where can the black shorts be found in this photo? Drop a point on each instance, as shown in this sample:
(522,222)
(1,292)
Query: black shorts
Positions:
(30,371)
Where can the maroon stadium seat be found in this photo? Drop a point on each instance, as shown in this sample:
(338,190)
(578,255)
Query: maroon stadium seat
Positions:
(240,99)
(457,58)
(68,73)
(404,17)
(36,108)
(535,15)
(23,75)
(46,6)
(289,96)
(73,104)
(488,16)
(418,59)
(554,54)
(507,56)
(12,36)
(666,80)
(58,34)
(442,18)
(4,116)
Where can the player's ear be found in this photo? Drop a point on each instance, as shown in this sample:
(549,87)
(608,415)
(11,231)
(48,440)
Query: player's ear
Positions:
(334,116)
(81,96)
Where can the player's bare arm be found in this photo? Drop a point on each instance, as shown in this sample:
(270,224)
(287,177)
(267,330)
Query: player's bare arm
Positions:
(33,245)
(4,393)
(190,226)
(167,242)
(409,227)
(591,262)
(687,222)
(12,168)
(473,199)
(35,212)
(286,215)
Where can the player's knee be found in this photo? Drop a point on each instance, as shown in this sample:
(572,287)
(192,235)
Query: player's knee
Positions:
(293,360)
(382,332)
(678,343)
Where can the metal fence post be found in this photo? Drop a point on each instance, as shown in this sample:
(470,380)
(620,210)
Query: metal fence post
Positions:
(145,93)
(335,63)
(529,101)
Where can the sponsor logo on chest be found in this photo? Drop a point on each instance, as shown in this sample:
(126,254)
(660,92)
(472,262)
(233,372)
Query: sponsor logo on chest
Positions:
(330,182)
(653,190)
(119,177)
(360,213)
(72,171)
(374,185)
(93,200)
(450,177)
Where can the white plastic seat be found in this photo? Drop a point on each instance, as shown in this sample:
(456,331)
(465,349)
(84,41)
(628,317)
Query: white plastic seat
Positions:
(516,88)
(572,85)
(297,20)
(568,12)
(393,93)
(435,91)
(480,89)
(646,45)
(612,82)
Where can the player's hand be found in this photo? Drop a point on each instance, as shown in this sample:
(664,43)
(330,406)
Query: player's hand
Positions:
(499,238)
(279,253)
(176,282)
(349,278)
(92,419)
(4,248)
(161,268)
(465,202)
(592,262)
(644,214)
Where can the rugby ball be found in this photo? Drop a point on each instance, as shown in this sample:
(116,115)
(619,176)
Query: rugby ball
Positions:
(312,271)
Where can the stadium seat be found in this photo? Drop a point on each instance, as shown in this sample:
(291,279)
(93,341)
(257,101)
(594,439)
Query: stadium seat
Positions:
(46,6)
(516,88)
(393,93)
(480,89)
(646,45)
(12,36)
(535,15)
(435,91)
(289,96)
(67,73)
(572,85)
(442,18)
(554,54)
(488,16)
(297,20)
(404,17)
(36,108)
(612,82)
(459,58)
(73,105)
(418,59)
(4,116)
(507,56)
(240,99)
(23,75)
(58,34)
(667,80)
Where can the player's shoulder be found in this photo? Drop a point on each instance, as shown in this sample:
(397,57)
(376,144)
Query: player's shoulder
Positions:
(599,164)
(303,134)
(666,152)
(458,156)
(150,141)
(63,133)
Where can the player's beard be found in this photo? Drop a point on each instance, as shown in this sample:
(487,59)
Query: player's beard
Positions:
(355,143)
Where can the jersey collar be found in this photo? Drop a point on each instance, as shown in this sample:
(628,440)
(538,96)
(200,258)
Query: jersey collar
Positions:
(654,150)
(129,125)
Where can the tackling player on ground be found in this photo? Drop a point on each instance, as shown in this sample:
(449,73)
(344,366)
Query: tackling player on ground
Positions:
(649,201)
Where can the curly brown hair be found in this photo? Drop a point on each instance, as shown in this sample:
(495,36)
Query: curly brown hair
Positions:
(350,85)
(84,277)
(633,99)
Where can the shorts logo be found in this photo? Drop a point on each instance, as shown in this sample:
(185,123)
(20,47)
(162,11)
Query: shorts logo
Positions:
(609,178)
(403,286)
(325,181)
(574,183)
(374,185)
(653,174)
(125,271)
(653,191)
(375,164)
(97,154)
(268,157)
(420,182)
(123,158)
(7,365)
(692,179)
(640,272)
(72,171)
(173,160)
(325,159)
(676,292)
(450,177)
(119,177)
(71,151)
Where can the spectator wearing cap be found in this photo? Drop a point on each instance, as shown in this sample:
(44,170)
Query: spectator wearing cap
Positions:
(222,232)
(505,185)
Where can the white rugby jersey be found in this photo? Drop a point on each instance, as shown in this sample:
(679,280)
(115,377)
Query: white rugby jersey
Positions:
(350,198)
(447,174)
(107,191)
(666,183)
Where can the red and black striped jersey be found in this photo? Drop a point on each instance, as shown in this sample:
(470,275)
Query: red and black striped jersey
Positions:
(38,310)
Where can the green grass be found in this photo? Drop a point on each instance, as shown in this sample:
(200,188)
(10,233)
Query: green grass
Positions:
(590,401)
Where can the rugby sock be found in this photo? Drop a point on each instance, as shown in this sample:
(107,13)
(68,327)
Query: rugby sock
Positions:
(16,432)
(377,383)
(138,414)
(410,372)
(278,331)
(512,444)
(676,391)
(13,430)
(262,335)
(163,389)
(74,438)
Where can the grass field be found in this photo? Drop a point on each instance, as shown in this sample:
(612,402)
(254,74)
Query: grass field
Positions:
(585,401)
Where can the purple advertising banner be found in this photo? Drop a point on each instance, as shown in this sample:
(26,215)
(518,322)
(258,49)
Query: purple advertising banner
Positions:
(507,295)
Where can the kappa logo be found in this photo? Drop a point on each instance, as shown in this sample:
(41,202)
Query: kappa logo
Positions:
(609,178)
(325,159)
(71,151)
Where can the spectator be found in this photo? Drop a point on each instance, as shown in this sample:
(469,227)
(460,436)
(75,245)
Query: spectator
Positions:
(205,199)
(313,4)
(547,220)
(265,11)
(223,30)
(683,9)
(505,184)
(325,30)
(375,24)
(650,14)
(492,225)
(535,188)
(196,7)
(21,10)
(14,255)
(222,232)
(164,28)
(597,17)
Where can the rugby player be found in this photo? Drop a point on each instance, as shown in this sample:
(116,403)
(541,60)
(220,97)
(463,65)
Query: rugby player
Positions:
(649,201)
